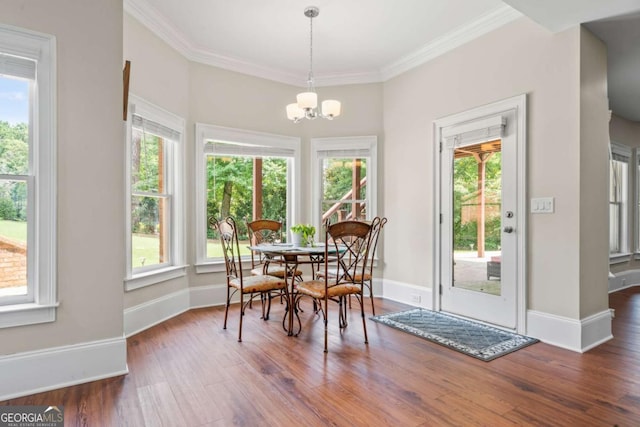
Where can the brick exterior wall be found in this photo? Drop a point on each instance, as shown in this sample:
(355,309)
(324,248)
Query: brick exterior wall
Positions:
(13,263)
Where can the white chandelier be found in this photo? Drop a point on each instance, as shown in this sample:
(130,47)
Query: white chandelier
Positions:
(307,102)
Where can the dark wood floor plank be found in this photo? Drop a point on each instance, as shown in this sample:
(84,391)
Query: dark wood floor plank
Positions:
(189,371)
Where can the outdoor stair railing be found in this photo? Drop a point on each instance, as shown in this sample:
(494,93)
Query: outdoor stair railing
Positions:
(336,206)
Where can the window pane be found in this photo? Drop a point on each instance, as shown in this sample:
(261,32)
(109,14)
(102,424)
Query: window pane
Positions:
(147,162)
(614,228)
(13,238)
(344,189)
(14,128)
(230,192)
(150,237)
(618,178)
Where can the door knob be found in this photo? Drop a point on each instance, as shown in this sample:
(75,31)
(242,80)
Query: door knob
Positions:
(508,229)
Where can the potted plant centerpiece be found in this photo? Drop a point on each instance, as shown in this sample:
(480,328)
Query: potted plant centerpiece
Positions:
(302,235)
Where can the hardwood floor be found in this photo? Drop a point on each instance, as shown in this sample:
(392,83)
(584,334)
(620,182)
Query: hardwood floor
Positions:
(188,371)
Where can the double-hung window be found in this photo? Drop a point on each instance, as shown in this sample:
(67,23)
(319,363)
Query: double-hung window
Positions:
(246,175)
(619,201)
(27,177)
(344,179)
(155,241)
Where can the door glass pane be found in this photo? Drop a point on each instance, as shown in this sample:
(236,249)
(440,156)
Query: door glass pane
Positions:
(13,238)
(477,173)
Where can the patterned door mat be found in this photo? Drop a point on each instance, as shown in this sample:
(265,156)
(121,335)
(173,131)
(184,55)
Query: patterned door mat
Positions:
(474,339)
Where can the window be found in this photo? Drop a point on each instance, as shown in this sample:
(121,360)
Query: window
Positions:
(246,175)
(155,223)
(618,199)
(344,179)
(27,177)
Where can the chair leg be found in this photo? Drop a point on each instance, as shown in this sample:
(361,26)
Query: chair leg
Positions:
(373,308)
(241,316)
(342,312)
(266,299)
(364,320)
(226,310)
(326,324)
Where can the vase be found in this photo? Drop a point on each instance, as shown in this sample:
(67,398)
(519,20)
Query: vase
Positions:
(296,239)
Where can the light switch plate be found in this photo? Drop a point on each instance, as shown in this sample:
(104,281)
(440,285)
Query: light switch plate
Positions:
(542,205)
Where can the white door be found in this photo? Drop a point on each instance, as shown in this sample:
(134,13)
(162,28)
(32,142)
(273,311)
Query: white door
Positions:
(481,209)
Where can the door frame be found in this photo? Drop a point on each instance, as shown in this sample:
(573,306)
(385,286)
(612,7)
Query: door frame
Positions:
(519,104)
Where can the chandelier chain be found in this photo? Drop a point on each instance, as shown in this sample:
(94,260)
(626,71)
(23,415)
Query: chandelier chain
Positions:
(310,79)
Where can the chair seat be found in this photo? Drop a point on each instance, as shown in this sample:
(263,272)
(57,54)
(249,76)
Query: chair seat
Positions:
(358,277)
(315,289)
(258,284)
(276,271)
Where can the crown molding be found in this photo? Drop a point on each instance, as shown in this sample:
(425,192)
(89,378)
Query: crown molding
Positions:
(145,12)
(459,36)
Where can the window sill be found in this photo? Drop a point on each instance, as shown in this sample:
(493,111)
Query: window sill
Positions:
(211,267)
(619,258)
(27,314)
(156,276)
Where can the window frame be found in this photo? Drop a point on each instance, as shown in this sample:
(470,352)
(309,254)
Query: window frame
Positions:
(42,180)
(623,255)
(319,146)
(174,175)
(258,140)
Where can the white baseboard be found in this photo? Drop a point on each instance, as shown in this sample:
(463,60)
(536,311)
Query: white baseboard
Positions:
(624,280)
(418,296)
(572,334)
(32,372)
(151,313)
(207,296)
(576,335)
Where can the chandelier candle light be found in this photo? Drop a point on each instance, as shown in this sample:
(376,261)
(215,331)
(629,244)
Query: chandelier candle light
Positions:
(307,104)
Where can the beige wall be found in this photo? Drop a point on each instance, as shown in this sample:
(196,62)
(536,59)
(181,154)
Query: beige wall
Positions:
(594,175)
(159,75)
(518,58)
(206,94)
(90,265)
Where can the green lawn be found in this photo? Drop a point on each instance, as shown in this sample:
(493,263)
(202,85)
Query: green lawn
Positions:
(145,248)
(14,230)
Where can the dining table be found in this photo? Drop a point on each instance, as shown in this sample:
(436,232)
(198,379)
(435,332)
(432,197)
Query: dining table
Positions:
(291,258)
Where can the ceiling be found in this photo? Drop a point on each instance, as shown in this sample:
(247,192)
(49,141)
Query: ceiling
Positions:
(363,41)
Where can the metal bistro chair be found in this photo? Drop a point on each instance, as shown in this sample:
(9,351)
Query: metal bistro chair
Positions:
(269,231)
(367,278)
(348,241)
(236,282)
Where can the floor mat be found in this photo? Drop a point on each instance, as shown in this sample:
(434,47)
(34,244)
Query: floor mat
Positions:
(472,338)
